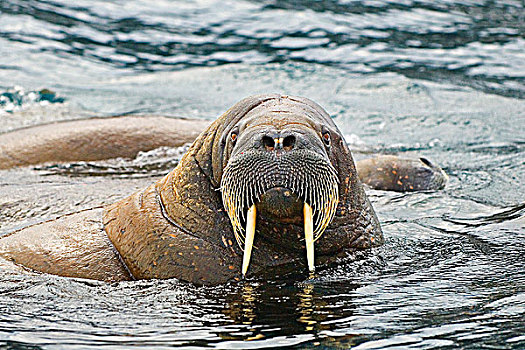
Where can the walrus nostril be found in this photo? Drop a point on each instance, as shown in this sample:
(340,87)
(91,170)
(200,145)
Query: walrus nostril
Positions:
(289,142)
(271,144)
(268,142)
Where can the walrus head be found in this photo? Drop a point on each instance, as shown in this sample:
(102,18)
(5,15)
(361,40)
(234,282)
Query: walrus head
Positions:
(278,164)
(285,171)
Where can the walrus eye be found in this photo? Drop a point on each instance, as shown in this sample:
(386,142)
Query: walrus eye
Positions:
(233,136)
(326,138)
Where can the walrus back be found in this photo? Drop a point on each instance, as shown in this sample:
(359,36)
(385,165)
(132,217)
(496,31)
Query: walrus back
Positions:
(95,139)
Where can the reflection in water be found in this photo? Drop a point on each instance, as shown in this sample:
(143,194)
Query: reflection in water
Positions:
(306,307)
(290,307)
(244,310)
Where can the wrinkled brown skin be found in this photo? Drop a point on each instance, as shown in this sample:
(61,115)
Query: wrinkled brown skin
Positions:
(392,173)
(73,245)
(94,139)
(177,227)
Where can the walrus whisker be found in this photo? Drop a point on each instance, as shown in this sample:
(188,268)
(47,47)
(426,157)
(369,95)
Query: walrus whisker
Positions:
(308,175)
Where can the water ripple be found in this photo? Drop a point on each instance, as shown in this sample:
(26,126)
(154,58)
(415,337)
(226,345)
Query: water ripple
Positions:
(479,44)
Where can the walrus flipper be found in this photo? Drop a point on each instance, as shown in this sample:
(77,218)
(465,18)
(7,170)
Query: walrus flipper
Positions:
(73,245)
(153,245)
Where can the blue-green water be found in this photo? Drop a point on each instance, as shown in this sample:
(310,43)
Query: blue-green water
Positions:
(441,79)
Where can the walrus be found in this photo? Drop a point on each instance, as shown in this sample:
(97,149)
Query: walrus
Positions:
(94,139)
(270,185)
(392,173)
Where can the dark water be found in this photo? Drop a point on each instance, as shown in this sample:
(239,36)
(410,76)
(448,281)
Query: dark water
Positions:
(440,79)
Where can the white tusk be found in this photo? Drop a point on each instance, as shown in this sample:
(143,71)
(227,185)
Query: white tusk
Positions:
(248,242)
(309,235)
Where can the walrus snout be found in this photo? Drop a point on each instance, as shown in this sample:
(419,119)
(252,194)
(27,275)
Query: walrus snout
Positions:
(288,180)
(281,205)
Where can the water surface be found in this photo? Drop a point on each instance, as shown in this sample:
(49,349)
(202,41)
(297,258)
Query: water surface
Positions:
(439,79)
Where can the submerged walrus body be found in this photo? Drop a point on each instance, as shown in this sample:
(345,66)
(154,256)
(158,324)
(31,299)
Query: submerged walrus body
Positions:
(273,173)
(392,173)
(94,139)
